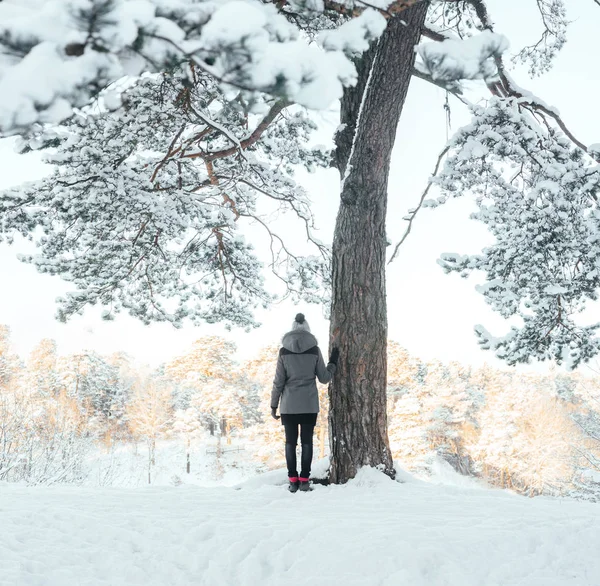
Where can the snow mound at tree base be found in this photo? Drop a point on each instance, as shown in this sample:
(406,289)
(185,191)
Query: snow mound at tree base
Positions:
(320,471)
(370,531)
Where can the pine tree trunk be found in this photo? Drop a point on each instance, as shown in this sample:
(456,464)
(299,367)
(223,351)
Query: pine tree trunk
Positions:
(370,112)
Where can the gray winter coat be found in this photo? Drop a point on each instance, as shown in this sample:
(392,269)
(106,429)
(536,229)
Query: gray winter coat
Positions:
(300,361)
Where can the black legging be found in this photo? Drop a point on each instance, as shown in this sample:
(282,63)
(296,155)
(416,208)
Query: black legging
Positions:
(291,440)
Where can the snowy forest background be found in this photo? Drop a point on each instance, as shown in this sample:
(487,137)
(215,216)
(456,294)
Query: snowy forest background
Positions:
(203,418)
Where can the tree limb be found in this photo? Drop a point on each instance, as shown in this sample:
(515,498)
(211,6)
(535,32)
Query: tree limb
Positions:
(215,181)
(433,35)
(395,7)
(413,213)
(482,13)
(505,87)
(453,88)
(275,110)
(168,155)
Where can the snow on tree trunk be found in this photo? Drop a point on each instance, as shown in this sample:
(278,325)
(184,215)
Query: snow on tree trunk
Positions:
(370,113)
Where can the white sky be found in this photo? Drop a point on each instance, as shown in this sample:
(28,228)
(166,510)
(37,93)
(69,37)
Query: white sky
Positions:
(430,313)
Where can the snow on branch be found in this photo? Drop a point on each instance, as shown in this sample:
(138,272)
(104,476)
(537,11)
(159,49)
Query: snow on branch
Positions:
(250,45)
(541,55)
(470,58)
(355,35)
(353,8)
(244,44)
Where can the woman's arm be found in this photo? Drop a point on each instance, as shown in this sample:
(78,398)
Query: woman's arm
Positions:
(324,373)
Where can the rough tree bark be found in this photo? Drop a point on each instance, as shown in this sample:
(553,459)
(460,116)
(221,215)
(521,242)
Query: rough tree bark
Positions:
(370,112)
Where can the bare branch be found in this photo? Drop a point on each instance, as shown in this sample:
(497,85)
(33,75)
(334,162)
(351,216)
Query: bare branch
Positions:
(482,13)
(414,212)
(289,201)
(67,184)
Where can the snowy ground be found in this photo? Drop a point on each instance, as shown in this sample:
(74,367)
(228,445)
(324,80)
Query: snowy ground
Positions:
(371,532)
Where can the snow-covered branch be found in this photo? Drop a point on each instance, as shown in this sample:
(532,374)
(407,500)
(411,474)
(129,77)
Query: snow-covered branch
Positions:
(250,45)
(160,190)
(540,54)
(46,71)
(471,58)
(537,193)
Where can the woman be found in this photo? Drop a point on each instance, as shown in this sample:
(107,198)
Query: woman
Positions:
(300,362)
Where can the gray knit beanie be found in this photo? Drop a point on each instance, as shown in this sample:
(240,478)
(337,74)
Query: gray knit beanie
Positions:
(300,324)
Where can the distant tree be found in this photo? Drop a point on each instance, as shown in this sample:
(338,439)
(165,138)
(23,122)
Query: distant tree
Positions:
(14,411)
(261,368)
(149,414)
(268,436)
(102,385)
(405,410)
(581,396)
(187,423)
(527,440)
(209,357)
(43,433)
(61,441)
(432,411)
(10,366)
(210,382)
(16,441)
(43,439)
(42,372)
(450,407)
(402,370)
(545,441)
